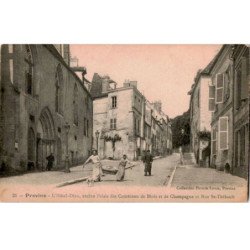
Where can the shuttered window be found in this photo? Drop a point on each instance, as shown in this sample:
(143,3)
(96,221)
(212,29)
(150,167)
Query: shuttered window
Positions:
(238,87)
(244,83)
(214,144)
(242,87)
(219,88)
(113,123)
(223,133)
(237,148)
(211,98)
(242,146)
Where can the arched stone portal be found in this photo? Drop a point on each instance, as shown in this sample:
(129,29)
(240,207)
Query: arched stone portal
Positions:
(45,138)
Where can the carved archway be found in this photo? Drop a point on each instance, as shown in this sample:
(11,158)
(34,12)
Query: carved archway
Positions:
(45,137)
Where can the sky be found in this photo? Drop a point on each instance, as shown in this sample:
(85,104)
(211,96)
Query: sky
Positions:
(163,72)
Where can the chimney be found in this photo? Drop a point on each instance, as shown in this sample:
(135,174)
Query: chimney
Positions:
(74,62)
(157,105)
(105,84)
(129,83)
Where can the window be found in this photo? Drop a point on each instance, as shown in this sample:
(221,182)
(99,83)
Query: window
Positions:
(59,90)
(242,146)
(114,102)
(226,90)
(113,123)
(87,130)
(29,70)
(211,98)
(237,149)
(75,105)
(219,88)
(138,127)
(244,82)
(214,144)
(135,125)
(85,126)
(238,87)
(223,133)
(241,81)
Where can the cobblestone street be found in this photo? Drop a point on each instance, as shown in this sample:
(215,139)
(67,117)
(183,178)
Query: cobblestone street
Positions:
(161,171)
(191,176)
(165,171)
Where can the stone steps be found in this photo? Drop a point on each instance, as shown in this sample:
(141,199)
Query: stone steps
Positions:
(189,159)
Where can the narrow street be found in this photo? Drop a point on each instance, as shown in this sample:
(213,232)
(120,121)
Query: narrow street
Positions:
(161,171)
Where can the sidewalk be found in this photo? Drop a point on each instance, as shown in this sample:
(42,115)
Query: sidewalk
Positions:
(192,176)
(54,177)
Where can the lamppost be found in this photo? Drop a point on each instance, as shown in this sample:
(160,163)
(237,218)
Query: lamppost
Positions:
(97,137)
(181,149)
(67,128)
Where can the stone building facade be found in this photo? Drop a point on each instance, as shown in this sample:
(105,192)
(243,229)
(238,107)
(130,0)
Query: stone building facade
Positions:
(200,117)
(161,130)
(40,94)
(123,119)
(241,67)
(221,93)
(230,122)
(118,117)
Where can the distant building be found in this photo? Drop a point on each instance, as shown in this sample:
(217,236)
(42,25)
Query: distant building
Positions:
(123,119)
(118,116)
(40,94)
(162,132)
(200,116)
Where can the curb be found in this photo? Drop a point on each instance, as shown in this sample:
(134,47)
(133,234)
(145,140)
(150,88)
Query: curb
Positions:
(83,179)
(171,177)
(72,182)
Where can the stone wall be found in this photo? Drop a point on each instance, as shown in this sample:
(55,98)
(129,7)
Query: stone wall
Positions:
(28,115)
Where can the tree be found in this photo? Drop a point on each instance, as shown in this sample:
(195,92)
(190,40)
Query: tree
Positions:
(113,141)
(181,130)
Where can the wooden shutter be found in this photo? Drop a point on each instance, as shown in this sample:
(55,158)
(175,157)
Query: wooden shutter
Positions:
(211,98)
(214,144)
(244,83)
(238,87)
(223,133)
(219,88)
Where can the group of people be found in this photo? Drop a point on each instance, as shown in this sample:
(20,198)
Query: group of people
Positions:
(97,172)
(97,166)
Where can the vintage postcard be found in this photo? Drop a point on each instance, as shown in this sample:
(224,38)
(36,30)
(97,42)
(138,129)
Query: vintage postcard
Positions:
(124,123)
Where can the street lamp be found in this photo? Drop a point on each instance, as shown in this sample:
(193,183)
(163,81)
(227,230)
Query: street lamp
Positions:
(67,128)
(181,149)
(97,137)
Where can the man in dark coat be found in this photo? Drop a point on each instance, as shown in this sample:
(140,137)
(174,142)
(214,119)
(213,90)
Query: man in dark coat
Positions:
(147,160)
(50,160)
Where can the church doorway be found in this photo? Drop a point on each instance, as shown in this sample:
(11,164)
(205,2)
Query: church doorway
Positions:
(45,138)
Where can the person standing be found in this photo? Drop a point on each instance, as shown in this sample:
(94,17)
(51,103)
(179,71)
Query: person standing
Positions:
(97,167)
(121,168)
(50,163)
(147,160)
